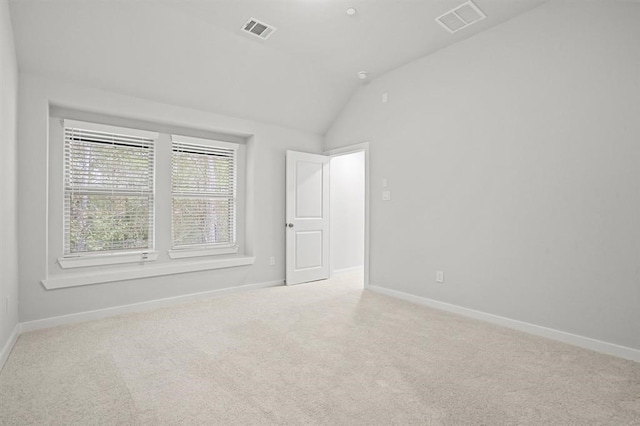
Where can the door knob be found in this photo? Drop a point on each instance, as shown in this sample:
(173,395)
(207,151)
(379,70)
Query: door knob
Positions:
(290,225)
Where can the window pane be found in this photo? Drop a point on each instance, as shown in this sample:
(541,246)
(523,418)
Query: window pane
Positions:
(204,189)
(107,166)
(105,222)
(108,191)
(202,221)
(195,172)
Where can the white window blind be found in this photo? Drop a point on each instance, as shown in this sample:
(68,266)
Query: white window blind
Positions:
(108,189)
(203,183)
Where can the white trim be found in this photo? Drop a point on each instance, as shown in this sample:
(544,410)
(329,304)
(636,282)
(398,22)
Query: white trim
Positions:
(350,149)
(347,270)
(145,271)
(106,259)
(185,253)
(202,141)
(140,307)
(550,333)
(85,125)
(6,350)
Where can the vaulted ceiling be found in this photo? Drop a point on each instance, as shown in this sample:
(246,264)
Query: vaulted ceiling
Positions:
(193,52)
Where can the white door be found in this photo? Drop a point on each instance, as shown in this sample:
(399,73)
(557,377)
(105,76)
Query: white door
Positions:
(307,217)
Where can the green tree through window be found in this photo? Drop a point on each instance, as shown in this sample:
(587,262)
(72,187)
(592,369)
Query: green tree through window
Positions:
(108,192)
(204,194)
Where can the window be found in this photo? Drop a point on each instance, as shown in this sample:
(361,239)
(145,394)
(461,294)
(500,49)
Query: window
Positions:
(126,203)
(203,185)
(108,189)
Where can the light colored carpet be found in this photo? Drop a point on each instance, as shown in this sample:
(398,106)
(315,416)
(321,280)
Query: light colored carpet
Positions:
(319,353)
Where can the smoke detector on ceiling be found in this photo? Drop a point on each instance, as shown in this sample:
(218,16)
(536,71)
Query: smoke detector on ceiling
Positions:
(461,17)
(258,29)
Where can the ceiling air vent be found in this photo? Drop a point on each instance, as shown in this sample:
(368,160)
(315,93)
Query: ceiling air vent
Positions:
(461,17)
(258,29)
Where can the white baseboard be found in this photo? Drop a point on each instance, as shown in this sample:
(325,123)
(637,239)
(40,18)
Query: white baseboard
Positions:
(138,307)
(350,269)
(6,350)
(550,333)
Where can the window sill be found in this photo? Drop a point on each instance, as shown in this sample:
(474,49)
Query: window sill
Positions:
(143,271)
(106,259)
(185,253)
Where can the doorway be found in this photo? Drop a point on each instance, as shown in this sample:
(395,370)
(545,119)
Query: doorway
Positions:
(348,214)
(316,250)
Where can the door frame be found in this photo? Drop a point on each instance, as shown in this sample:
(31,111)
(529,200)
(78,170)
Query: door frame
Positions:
(350,149)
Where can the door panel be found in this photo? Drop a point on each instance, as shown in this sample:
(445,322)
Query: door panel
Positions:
(309,249)
(309,189)
(307,217)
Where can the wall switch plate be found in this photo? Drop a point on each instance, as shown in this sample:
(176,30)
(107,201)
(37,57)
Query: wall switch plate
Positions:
(386,195)
(439,276)
(385,97)
(385,183)
(272,260)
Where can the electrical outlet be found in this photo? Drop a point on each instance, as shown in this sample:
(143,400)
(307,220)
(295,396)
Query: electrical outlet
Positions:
(272,260)
(439,276)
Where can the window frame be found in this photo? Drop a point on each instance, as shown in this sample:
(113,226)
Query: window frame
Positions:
(196,250)
(107,257)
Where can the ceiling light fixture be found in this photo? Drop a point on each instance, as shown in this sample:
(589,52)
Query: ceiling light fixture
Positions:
(362,75)
(351,11)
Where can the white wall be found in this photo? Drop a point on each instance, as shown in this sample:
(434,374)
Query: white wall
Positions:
(347,211)
(514,164)
(8,182)
(265,177)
